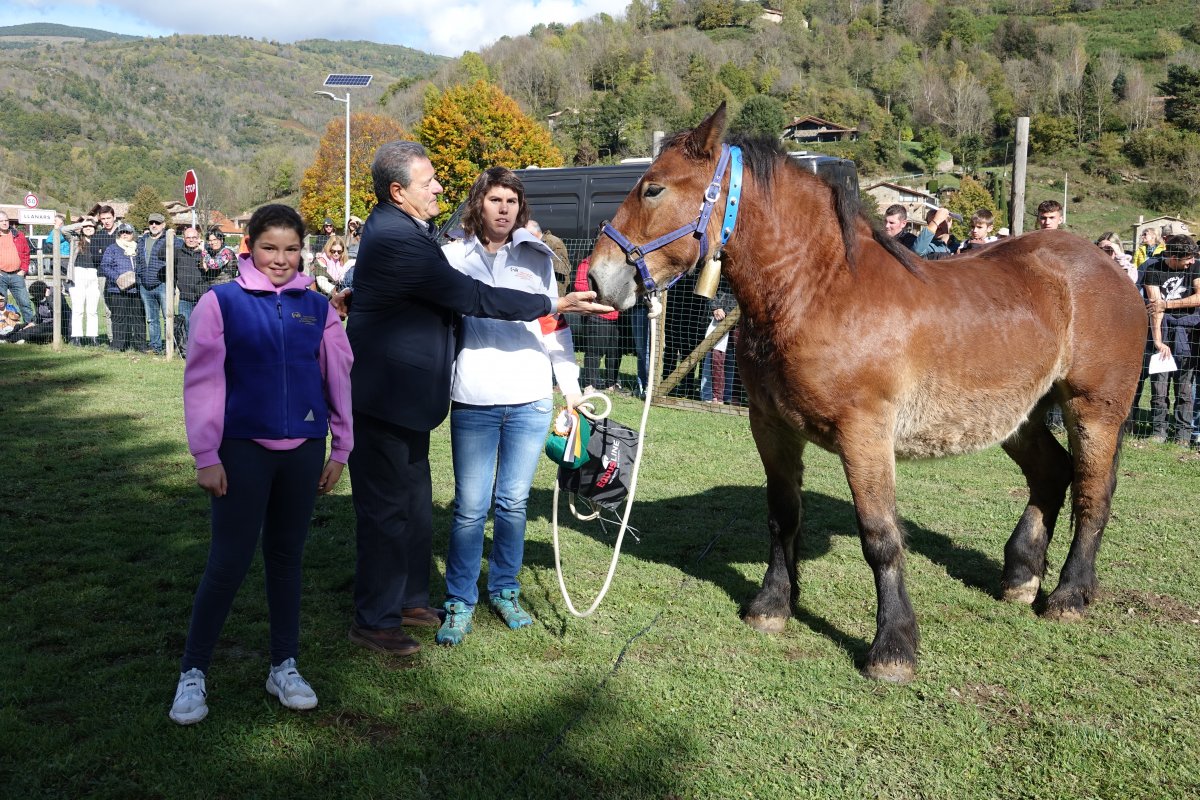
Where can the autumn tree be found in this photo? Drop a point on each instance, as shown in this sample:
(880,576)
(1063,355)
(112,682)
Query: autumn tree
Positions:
(323,187)
(146,202)
(467,129)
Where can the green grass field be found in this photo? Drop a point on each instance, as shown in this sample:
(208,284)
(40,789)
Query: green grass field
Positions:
(662,694)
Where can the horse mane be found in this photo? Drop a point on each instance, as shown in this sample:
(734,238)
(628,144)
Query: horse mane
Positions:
(762,156)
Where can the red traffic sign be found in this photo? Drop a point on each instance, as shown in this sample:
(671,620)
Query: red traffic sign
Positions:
(191,188)
(31,200)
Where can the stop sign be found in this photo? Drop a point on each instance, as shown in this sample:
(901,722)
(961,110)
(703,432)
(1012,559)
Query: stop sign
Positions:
(190,188)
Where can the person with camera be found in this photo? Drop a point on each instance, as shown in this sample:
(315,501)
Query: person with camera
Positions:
(934,240)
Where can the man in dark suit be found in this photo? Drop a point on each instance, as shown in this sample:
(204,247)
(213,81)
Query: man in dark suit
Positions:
(406,303)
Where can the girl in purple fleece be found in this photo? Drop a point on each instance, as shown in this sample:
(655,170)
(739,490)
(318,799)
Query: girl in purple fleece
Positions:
(267,377)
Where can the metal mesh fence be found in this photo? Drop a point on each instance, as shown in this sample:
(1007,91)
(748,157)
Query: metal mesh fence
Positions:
(695,360)
(696,364)
(696,339)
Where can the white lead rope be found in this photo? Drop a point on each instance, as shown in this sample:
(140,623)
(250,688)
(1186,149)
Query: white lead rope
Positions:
(655,310)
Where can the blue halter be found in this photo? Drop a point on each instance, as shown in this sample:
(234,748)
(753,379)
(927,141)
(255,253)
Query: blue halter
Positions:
(731,156)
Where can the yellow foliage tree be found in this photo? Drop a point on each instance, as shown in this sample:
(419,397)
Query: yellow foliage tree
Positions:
(467,129)
(323,187)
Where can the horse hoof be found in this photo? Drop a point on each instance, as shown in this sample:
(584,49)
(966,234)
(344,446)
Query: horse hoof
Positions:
(1024,594)
(898,672)
(764,624)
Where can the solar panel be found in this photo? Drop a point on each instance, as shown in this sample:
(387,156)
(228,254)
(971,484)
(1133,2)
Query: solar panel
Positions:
(348,80)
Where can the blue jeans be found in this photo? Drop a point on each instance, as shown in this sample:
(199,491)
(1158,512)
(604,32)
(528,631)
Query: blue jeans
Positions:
(185,309)
(15,282)
(1195,412)
(155,302)
(639,324)
(493,447)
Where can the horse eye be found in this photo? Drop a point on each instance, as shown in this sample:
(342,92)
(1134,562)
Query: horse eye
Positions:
(652,190)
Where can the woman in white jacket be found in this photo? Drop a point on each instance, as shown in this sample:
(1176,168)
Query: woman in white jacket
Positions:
(501,401)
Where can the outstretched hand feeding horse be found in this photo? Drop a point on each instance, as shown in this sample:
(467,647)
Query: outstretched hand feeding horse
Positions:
(853,343)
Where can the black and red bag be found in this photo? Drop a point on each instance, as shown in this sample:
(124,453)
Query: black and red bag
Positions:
(606,476)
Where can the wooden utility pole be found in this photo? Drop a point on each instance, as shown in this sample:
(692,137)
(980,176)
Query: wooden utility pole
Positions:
(1016,209)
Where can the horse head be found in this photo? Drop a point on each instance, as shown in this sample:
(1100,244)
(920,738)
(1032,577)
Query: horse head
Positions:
(662,223)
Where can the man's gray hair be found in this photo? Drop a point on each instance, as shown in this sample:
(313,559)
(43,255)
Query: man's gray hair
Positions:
(393,164)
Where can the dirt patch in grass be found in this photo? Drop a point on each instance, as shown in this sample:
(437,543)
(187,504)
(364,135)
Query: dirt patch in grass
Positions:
(1156,606)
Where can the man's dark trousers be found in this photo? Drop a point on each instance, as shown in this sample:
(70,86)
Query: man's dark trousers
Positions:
(393,501)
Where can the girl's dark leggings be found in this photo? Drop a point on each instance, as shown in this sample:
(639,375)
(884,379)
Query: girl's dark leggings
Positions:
(272,492)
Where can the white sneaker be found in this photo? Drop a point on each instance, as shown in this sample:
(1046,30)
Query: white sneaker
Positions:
(292,690)
(189,706)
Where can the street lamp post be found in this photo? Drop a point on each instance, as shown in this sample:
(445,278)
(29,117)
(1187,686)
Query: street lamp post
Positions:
(346,81)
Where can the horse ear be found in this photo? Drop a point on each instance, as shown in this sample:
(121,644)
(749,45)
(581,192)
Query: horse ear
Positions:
(705,138)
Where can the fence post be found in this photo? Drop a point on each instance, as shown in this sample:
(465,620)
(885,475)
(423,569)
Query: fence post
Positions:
(169,338)
(1016,210)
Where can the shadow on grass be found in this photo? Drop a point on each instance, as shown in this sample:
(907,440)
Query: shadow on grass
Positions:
(713,534)
(105,539)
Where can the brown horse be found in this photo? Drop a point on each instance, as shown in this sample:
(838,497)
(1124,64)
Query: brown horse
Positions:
(853,343)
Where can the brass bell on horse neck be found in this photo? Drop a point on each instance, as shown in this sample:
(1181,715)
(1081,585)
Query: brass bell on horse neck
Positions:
(710,276)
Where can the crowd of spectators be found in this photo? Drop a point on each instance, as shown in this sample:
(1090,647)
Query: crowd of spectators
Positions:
(112,272)
(109,268)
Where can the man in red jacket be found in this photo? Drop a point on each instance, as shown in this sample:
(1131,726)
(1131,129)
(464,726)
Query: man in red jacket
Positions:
(14,266)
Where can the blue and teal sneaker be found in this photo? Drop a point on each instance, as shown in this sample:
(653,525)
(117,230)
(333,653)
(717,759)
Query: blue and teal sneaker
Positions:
(509,608)
(457,623)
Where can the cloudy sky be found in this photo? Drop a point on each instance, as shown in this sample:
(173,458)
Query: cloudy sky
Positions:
(446,27)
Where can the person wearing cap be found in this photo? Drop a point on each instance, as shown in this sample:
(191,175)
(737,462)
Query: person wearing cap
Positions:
(317,242)
(119,267)
(151,277)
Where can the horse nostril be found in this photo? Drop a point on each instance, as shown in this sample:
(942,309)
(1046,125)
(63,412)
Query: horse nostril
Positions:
(591,279)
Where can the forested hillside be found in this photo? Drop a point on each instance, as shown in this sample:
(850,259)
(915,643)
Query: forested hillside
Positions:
(914,76)
(95,119)
(88,120)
